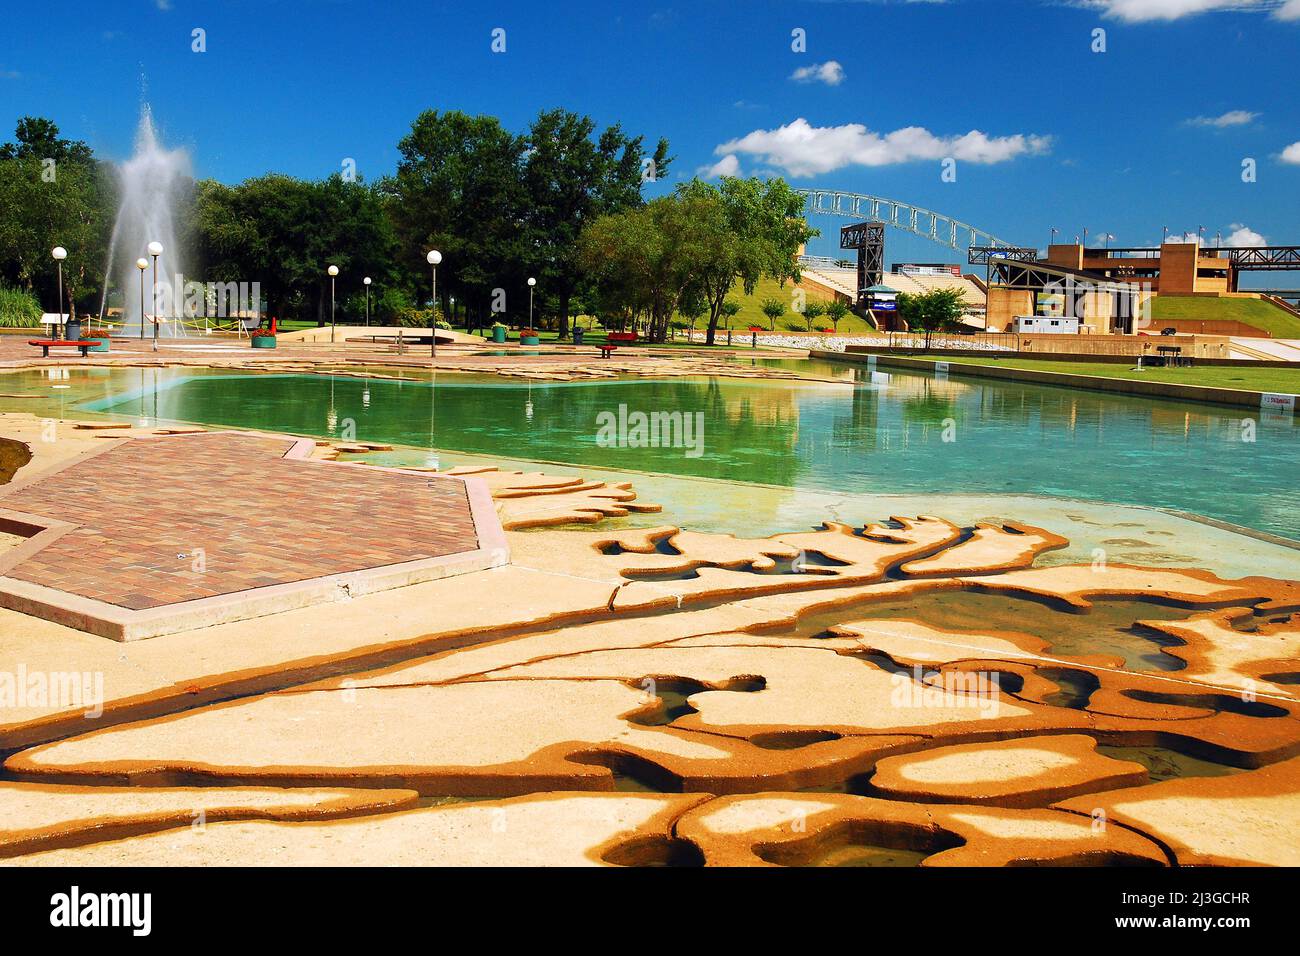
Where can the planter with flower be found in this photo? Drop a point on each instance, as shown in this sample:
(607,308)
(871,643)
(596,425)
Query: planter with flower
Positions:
(99,336)
(263,337)
(529,337)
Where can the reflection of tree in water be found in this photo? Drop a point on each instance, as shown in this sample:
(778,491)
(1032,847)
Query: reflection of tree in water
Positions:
(750,431)
(929,409)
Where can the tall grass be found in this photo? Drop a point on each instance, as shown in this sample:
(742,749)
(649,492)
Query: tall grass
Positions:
(18,309)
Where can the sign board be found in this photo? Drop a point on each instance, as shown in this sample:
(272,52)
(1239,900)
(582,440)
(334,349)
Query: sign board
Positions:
(1277,402)
(53,318)
(884,305)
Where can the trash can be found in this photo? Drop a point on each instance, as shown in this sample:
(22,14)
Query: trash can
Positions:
(577,336)
(498,333)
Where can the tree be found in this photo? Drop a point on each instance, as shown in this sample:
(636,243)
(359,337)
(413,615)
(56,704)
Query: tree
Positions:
(283,232)
(459,189)
(939,310)
(812,311)
(570,181)
(68,203)
(756,229)
(38,138)
(730,309)
(644,261)
(693,308)
(773,309)
(836,311)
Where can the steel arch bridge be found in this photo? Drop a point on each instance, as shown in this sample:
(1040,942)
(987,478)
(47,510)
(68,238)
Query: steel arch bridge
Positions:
(926,223)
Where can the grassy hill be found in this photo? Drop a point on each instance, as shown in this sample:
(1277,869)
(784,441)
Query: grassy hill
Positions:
(1262,315)
(751,307)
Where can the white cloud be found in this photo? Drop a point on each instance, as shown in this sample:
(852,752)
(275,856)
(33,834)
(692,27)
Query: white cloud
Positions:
(1243,236)
(800,149)
(1145,11)
(1224,120)
(728,165)
(830,73)
(1292,153)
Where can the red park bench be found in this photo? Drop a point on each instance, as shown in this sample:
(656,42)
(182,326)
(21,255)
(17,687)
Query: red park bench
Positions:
(606,350)
(625,337)
(46,344)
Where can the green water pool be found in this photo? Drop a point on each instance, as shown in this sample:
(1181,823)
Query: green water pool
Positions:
(864,432)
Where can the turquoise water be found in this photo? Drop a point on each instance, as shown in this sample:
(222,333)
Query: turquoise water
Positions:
(868,432)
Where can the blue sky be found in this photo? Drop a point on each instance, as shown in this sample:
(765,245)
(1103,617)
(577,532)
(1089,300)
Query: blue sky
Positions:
(1070,139)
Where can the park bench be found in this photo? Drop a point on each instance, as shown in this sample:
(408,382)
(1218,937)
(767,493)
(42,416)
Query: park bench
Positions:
(606,350)
(1170,354)
(627,337)
(46,344)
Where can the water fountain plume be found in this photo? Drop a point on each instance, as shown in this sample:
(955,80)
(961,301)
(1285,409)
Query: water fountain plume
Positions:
(150,185)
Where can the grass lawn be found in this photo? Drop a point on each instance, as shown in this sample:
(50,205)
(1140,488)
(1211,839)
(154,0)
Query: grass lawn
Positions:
(1262,315)
(1243,377)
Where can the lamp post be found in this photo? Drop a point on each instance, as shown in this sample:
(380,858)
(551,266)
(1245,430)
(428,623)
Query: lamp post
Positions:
(142,263)
(433,258)
(1052,240)
(333,271)
(366,283)
(155,250)
(1165,237)
(532,283)
(59,254)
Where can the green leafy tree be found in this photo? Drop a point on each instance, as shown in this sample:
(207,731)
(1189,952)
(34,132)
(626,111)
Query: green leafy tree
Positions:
(939,310)
(836,311)
(284,232)
(812,311)
(54,193)
(773,309)
(755,230)
(571,179)
(644,261)
(730,309)
(459,189)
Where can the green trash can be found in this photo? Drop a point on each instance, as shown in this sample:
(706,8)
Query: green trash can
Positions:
(498,333)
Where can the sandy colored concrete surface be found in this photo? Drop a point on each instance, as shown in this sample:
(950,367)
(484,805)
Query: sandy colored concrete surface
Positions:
(761,690)
(1247,819)
(36,817)
(1025,772)
(555,829)
(180,670)
(801,829)
(1218,653)
(1075,583)
(989,548)
(665,658)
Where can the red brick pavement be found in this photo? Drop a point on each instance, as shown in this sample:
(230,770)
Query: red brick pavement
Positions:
(146,509)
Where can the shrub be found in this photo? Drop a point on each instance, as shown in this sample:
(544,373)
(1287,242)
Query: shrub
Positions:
(419,319)
(18,309)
